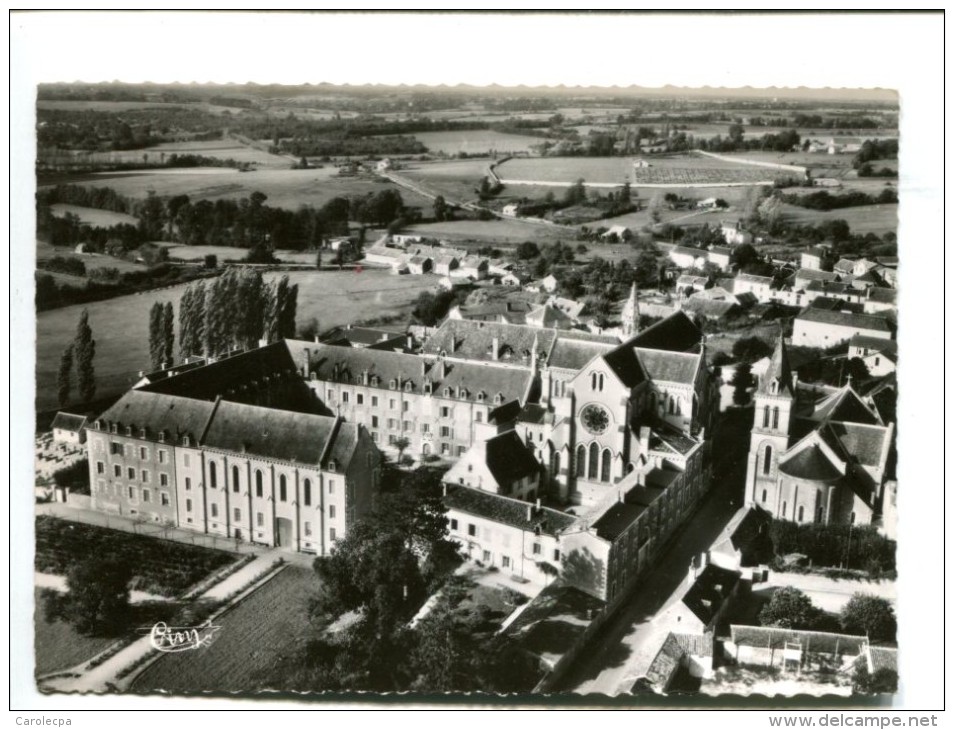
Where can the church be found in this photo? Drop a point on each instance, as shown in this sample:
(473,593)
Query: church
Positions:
(821,456)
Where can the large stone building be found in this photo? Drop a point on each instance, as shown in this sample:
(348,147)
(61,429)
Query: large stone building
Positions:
(825,460)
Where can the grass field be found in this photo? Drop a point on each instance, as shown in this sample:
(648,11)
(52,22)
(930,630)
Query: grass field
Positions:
(476,141)
(681,169)
(862,219)
(223,149)
(498,231)
(262,632)
(198,253)
(125,106)
(285,188)
(120,325)
(57,644)
(93,216)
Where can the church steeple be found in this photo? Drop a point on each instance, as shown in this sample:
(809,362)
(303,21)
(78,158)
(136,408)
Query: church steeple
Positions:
(630,313)
(778,376)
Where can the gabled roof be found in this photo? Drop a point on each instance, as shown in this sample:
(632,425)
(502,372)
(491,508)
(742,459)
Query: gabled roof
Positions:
(687,250)
(68,422)
(810,462)
(472,340)
(847,406)
(882,295)
(158,413)
(844,319)
(617,519)
(675,333)
(754,278)
(672,367)
(816,275)
(878,344)
(569,353)
(509,459)
(505,510)
(549,317)
(868,445)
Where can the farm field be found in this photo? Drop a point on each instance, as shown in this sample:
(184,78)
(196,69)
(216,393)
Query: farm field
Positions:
(223,149)
(120,325)
(862,219)
(224,253)
(284,188)
(257,636)
(93,216)
(682,169)
(497,231)
(476,141)
(455,179)
(57,645)
(125,106)
(840,136)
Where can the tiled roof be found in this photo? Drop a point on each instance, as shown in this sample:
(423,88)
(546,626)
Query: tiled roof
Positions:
(672,367)
(474,340)
(359,335)
(572,354)
(676,333)
(550,317)
(506,413)
(68,422)
(844,319)
(720,251)
(697,252)
(754,278)
(882,295)
(878,344)
(665,664)
(709,307)
(810,463)
(509,459)
(771,637)
(816,275)
(533,413)
(617,519)
(866,444)
(844,405)
(158,412)
(348,365)
(505,510)
(829,287)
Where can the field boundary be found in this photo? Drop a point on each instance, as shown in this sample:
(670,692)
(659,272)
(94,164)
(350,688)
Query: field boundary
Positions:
(756,163)
(636,185)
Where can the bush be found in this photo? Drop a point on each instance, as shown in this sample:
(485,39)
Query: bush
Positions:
(829,545)
(869,615)
(884,680)
(789,608)
(75,476)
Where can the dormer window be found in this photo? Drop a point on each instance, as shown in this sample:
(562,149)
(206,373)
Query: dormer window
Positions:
(480,396)
(374,381)
(428,387)
(463,393)
(498,399)
(99,425)
(447,392)
(186,441)
(773,387)
(129,430)
(408,386)
(162,437)
(114,428)
(331,465)
(142,433)
(393,384)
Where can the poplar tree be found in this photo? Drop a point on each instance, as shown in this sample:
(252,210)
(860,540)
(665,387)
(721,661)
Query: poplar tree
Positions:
(84,350)
(155,336)
(168,333)
(64,379)
(192,320)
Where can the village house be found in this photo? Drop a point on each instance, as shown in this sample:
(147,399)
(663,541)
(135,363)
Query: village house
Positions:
(515,278)
(880,299)
(617,233)
(420,264)
(686,257)
(69,428)
(472,267)
(805,276)
(721,256)
(880,356)
(688,283)
(760,286)
(550,283)
(812,258)
(824,328)
(444,265)
(734,234)
(570,307)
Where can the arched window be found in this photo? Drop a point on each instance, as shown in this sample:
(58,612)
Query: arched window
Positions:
(765,417)
(307,490)
(801,513)
(580,461)
(784,508)
(767,460)
(593,461)
(259,490)
(283,488)
(599,381)
(592,381)
(605,467)
(235,479)
(555,471)
(775,417)
(213,477)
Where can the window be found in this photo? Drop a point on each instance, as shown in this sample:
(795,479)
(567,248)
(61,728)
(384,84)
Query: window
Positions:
(185,458)
(307,490)
(472,530)
(767,460)
(784,508)
(775,417)
(607,462)
(145,495)
(117,470)
(425,428)
(556,555)
(407,407)
(331,394)
(188,505)
(237,514)
(130,472)
(594,457)
(143,454)
(360,398)
(445,412)
(764,495)
(163,456)
(100,467)
(331,511)
(188,484)
(131,492)
(331,486)
(407,426)
(236,482)
(453,524)
(391,404)
(307,529)
(445,449)
(344,396)
(145,475)
(537,549)
(260,519)
(374,421)
(374,436)
(259,490)
(801,514)
(505,561)
(214,510)
(331,534)
(164,499)
(163,480)
(486,556)
(282,488)
(374,401)
(445,432)
(478,417)
(391,438)
(765,417)
(392,423)
(213,475)
(116,449)
(580,461)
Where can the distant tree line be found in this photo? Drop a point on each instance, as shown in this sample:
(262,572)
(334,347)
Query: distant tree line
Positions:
(823,200)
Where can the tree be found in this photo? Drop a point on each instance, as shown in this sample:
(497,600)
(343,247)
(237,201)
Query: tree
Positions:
(84,350)
(260,253)
(789,608)
(744,254)
(98,599)
(528,250)
(742,381)
(576,193)
(883,681)
(211,261)
(155,336)
(869,615)
(64,377)
(192,320)
(750,349)
(401,443)
(441,210)
(168,333)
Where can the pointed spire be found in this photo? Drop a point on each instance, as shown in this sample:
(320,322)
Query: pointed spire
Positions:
(631,312)
(778,376)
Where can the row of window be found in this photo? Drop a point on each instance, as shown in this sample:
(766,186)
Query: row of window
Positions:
(800,514)
(127,451)
(145,495)
(408,388)
(588,468)
(536,548)
(131,473)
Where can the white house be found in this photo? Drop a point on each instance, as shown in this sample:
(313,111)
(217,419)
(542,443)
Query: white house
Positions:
(721,256)
(550,283)
(760,286)
(734,235)
(686,257)
(69,428)
(815,327)
(880,356)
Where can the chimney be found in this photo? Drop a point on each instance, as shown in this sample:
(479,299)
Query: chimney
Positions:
(165,365)
(410,342)
(317,339)
(306,364)
(538,503)
(453,344)
(495,348)
(445,488)
(529,512)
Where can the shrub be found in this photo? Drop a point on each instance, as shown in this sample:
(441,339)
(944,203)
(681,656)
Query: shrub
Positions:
(871,616)
(834,545)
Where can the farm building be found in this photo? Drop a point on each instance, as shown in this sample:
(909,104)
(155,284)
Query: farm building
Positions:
(444,265)
(818,327)
(420,264)
(687,283)
(686,257)
(880,299)
(69,428)
(619,233)
(721,256)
